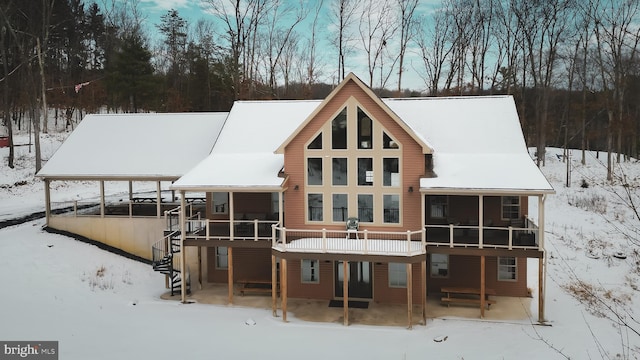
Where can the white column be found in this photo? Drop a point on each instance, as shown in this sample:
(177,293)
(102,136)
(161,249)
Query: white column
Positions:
(158,200)
(101,198)
(480,220)
(183,258)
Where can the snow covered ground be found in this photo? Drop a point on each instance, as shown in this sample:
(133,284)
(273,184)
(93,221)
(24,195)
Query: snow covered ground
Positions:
(101,306)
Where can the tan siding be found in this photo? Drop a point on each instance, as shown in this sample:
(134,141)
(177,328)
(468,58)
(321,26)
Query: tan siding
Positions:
(464,271)
(322,290)
(248,264)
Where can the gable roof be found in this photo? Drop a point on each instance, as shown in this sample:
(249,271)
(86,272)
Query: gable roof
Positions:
(244,156)
(478,144)
(135,146)
(351,77)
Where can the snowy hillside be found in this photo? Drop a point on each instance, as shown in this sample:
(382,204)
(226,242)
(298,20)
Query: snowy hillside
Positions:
(102,306)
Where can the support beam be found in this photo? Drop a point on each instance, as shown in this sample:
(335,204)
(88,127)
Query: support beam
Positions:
(158,200)
(409,296)
(541,281)
(47,200)
(283,287)
(200,267)
(274,286)
(230,273)
(480,221)
(345,292)
(542,268)
(423,266)
(183,258)
(482,285)
(101,198)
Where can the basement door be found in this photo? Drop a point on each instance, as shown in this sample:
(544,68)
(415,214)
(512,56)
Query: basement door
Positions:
(360,280)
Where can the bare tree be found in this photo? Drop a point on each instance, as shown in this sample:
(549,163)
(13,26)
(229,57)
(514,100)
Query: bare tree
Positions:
(406,9)
(310,56)
(343,11)
(435,49)
(376,28)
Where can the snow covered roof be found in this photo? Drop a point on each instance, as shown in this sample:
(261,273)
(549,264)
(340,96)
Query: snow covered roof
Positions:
(478,143)
(135,146)
(244,155)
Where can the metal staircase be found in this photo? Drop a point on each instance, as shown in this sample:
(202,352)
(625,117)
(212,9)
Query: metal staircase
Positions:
(166,263)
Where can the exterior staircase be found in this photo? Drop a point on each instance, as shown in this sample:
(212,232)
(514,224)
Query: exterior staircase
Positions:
(165,262)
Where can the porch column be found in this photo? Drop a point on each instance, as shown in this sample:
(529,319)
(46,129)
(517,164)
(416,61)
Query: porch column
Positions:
(47,200)
(410,295)
(183,258)
(423,266)
(345,292)
(274,286)
(158,200)
(200,267)
(542,268)
(423,219)
(283,287)
(480,221)
(482,285)
(101,198)
(231,216)
(281,208)
(230,273)
(130,198)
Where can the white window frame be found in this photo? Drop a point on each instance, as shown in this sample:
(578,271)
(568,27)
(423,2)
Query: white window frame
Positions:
(511,206)
(222,258)
(310,271)
(397,275)
(222,205)
(436,265)
(507,269)
(440,202)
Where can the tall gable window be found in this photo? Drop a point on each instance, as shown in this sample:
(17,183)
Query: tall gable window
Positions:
(314,171)
(365,171)
(340,207)
(316,144)
(365,207)
(339,131)
(391,204)
(388,142)
(365,131)
(390,173)
(339,171)
(315,207)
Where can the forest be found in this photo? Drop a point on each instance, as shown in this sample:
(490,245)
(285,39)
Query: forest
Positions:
(572,66)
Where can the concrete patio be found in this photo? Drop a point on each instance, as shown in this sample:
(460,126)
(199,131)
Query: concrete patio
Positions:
(507,309)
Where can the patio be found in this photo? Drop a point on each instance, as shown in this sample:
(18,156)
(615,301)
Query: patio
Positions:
(508,309)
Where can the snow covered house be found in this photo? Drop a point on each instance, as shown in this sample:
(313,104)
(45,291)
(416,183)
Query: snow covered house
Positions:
(357,197)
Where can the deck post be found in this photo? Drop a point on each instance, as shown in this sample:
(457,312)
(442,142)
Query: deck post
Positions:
(541,281)
(200,267)
(183,258)
(482,285)
(283,287)
(423,265)
(230,273)
(47,200)
(345,292)
(274,286)
(410,295)
(542,269)
(158,200)
(101,198)
(480,221)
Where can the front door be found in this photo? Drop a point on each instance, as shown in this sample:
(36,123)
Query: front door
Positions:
(360,280)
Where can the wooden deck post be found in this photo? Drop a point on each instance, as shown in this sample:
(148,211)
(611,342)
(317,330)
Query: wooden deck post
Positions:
(158,200)
(200,267)
(274,286)
(541,294)
(47,200)
(345,292)
(482,285)
(283,287)
(230,273)
(102,198)
(409,295)
(424,291)
(183,258)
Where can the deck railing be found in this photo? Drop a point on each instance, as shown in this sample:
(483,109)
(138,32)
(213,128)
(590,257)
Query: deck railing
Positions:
(407,243)
(525,236)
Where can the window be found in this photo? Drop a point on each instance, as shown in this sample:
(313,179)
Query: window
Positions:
(315,207)
(391,204)
(310,271)
(316,144)
(440,265)
(397,275)
(365,171)
(339,131)
(390,174)
(222,259)
(507,269)
(340,209)
(439,206)
(365,207)
(314,171)
(365,140)
(388,142)
(220,202)
(510,207)
(339,171)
